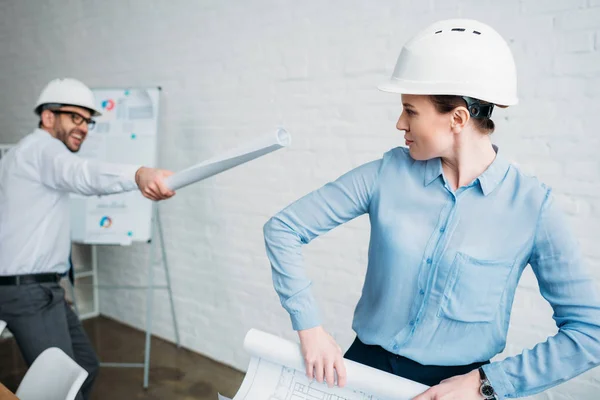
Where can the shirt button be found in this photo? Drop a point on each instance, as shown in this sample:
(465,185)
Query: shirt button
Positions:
(395,347)
(421,292)
(442,229)
(429,261)
(411,323)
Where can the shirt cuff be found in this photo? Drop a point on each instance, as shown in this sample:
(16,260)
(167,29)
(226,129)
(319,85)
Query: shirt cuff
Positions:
(303,310)
(499,380)
(128,176)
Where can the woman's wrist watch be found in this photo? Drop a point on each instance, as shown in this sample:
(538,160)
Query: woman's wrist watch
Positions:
(486,389)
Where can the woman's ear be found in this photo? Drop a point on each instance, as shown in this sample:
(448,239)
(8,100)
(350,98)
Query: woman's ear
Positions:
(460,118)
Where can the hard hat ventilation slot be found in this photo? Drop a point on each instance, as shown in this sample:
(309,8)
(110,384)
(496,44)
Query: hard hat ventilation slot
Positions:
(438,32)
(458,29)
(477,33)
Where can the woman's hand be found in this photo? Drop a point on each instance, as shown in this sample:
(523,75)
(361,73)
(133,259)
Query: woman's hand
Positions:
(322,356)
(461,387)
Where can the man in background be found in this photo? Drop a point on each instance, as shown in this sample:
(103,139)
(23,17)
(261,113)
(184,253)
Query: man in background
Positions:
(36,178)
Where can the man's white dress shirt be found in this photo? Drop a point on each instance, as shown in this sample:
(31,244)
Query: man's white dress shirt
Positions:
(36,178)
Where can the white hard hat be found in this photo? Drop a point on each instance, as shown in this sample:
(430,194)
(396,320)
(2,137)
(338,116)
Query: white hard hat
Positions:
(67,91)
(456,57)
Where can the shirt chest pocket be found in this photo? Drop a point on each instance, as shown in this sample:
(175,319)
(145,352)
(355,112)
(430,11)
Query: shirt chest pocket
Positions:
(474,289)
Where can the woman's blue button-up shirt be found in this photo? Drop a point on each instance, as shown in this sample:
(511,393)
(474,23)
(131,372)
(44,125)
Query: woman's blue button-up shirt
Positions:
(444,266)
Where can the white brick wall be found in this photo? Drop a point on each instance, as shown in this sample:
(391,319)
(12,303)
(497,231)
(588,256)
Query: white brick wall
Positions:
(232,70)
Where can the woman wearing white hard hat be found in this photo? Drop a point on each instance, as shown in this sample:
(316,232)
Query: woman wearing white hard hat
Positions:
(453,225)
(36,178)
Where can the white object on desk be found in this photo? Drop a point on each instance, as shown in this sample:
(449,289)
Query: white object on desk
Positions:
(52,376)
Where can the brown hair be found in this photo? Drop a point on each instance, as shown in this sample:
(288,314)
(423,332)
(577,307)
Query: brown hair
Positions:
(446,103)
(42,107)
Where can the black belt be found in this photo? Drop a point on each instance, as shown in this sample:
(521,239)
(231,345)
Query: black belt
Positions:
(16,280)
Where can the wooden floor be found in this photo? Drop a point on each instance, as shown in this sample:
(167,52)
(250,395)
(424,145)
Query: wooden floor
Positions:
(174,373)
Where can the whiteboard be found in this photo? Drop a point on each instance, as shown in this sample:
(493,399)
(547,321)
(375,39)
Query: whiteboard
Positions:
(125,133)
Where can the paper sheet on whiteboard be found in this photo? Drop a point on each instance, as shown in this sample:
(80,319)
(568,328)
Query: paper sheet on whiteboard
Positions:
(126,133)
(277,372)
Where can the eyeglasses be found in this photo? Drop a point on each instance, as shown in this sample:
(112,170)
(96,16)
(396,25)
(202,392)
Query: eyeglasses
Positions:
(77,119)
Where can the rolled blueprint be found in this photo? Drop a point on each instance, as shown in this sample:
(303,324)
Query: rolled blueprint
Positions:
(240,155)
(277,371)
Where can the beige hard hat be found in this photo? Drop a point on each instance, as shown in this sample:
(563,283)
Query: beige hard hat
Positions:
(67,91)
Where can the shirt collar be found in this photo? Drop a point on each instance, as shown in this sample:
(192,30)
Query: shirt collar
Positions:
(488,180)
(433,169)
